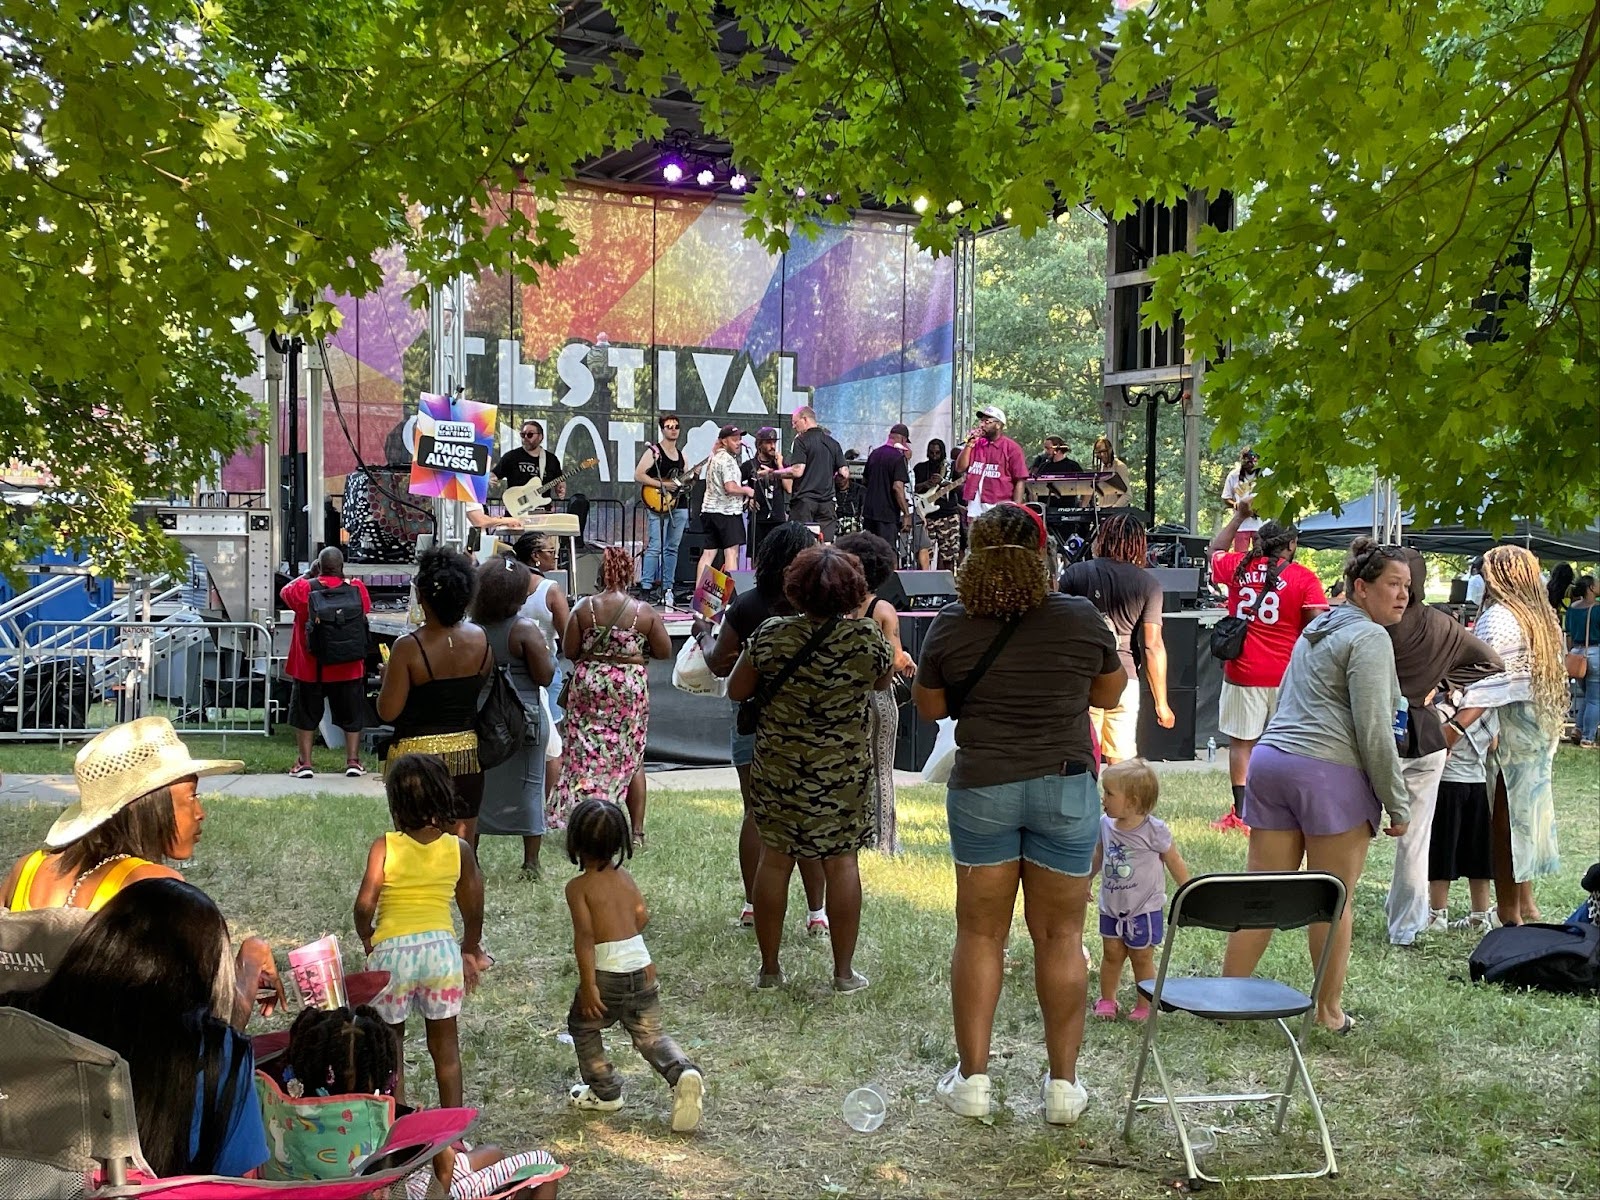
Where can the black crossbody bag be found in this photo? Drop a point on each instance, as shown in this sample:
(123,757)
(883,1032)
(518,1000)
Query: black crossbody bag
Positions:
(749,714)
(956,697)
(1227,635)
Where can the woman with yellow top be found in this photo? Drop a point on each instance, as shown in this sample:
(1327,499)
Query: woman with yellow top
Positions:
(403,914)
(136,808)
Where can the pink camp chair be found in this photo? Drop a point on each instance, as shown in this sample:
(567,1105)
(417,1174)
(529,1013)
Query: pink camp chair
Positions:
(67,1129)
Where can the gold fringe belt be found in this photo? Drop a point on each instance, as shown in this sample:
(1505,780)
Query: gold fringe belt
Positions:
(459,750)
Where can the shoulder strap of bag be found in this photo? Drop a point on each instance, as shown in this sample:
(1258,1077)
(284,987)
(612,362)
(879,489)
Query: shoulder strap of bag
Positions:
(789,668)
(1274,573)
(989,655)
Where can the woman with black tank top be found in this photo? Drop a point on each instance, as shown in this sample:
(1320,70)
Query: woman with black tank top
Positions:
(883,710)
(433,678)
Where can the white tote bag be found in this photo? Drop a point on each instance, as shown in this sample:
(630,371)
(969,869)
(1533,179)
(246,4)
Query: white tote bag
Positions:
(943,755)
(691,674)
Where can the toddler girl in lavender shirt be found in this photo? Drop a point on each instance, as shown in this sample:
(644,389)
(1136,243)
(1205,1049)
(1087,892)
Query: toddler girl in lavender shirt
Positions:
(1133,847)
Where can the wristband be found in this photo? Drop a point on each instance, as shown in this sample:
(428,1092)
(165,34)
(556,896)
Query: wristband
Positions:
(1457,726)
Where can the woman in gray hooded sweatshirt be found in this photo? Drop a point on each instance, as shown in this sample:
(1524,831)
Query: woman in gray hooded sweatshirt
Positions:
(1327,766)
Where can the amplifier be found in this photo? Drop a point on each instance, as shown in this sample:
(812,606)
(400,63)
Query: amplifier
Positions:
(919,591)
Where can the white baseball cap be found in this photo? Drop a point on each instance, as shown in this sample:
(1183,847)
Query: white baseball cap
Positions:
(990,410)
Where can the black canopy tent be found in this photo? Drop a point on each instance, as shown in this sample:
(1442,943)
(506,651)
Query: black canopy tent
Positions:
(1334,531)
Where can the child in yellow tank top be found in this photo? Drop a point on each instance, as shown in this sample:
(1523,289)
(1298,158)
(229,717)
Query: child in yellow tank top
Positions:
(403,914)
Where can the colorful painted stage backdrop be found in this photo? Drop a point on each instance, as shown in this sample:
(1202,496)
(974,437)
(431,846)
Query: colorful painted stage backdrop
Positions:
(699,321)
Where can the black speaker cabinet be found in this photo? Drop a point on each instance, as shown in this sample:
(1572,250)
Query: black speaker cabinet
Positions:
(914,740)
(694,541)
(911,591)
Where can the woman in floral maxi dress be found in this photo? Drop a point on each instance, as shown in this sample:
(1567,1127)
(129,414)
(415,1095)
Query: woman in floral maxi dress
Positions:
(608,700)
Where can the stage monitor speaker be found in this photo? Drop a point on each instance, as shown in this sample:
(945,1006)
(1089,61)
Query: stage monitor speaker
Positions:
(694,541)
(743,581)
(1178,584)
(911,591)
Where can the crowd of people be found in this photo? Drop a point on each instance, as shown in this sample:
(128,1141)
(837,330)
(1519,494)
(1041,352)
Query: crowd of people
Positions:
(1375,714)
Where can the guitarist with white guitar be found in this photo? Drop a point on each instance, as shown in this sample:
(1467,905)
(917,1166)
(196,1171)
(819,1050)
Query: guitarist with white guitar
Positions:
(531,463)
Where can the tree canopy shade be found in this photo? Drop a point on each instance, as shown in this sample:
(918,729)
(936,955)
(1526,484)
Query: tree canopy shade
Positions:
(180,169)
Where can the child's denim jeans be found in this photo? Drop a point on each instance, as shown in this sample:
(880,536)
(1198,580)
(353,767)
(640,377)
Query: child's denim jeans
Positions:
(634,1000)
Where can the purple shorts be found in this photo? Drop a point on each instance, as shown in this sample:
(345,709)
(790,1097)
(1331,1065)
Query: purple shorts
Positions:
(1142,931)
(1319,799)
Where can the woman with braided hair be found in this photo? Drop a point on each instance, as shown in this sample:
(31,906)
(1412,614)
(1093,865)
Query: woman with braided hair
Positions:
(1518,623)
(342,1052)
(1279,598)
(1018,666)
(610,638)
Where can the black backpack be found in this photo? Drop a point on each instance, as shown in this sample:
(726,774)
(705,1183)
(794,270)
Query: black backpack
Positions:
(1552,958)
(336,628)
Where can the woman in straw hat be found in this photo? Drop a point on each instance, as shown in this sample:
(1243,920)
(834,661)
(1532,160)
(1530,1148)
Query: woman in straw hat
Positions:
(136,807)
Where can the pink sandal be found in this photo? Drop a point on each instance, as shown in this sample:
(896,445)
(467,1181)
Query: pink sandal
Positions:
(1106,1010)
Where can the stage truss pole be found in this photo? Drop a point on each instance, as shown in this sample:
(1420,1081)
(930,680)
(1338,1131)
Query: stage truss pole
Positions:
(964,330)
(448,351)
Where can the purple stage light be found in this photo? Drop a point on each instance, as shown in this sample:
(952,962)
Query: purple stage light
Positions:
(706,177)
(738,183)
(672,171)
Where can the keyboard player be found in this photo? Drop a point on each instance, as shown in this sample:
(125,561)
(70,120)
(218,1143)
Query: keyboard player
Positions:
(1055,460)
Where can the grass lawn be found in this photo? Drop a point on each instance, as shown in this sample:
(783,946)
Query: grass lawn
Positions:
(1444,1088)
(271,755)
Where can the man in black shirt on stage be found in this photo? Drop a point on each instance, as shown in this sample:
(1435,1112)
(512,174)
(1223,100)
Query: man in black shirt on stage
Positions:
(816,461)
(1054,460)
(771,505)
(532,461)
(886,508)
(942,522)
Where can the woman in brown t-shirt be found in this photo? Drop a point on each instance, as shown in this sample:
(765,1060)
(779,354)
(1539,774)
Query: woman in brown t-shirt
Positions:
(1022,804)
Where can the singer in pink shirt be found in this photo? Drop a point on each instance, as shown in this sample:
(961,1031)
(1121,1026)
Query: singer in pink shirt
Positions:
(994,464)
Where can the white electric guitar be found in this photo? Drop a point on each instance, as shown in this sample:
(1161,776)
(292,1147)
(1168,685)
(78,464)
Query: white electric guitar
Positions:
(530,497)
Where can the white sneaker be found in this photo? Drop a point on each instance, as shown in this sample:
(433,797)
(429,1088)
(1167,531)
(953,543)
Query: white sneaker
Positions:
(1438,921)
(687,1097)
(1477,922)
(964,1097)
(1064,1101)
(581,1095)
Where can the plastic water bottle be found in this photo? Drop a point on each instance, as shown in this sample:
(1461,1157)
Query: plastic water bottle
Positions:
(1211,749)
(1402,725)
(864,1109)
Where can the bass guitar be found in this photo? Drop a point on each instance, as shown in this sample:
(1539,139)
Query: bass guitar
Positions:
(926,501)
(661,501)
(530,497)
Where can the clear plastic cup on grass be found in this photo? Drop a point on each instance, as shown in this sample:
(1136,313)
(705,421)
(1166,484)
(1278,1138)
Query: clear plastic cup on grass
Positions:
(865,1108)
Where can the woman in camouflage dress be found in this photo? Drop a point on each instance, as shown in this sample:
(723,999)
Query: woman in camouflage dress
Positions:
(811,780)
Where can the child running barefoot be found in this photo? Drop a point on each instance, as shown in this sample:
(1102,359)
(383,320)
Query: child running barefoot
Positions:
(1133,846)
(616,979)
(340,1053)
(411,876)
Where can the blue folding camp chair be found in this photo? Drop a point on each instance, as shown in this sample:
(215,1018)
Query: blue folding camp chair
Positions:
(1230,903)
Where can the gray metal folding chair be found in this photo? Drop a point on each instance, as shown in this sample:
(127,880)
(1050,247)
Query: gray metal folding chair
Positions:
(1230,903)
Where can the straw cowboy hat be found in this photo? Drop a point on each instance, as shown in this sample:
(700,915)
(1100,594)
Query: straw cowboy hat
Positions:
(121,765)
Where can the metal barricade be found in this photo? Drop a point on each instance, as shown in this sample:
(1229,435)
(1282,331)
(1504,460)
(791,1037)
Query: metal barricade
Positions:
(75,678)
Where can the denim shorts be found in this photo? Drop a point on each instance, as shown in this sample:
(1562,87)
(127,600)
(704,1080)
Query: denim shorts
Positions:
(741,747)
(1052,821)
